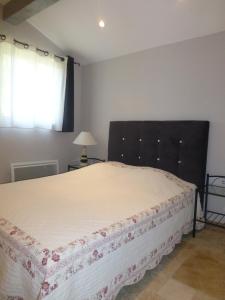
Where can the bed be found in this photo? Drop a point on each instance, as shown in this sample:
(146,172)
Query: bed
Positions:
(87,233)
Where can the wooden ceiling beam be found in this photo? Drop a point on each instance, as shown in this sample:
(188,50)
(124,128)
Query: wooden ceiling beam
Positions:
(1,12)
(18,11)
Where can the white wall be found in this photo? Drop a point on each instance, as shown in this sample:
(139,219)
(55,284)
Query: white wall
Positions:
(183,81)
(27,144)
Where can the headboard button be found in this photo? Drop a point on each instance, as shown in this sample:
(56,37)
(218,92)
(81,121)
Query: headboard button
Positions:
(139,157)
(158,141)
(158,159)
(180,141)
(122,155)
(179,162)
(140,140)
(123,138)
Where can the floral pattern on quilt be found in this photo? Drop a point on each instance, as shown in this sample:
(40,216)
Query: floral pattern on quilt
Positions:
(137,270)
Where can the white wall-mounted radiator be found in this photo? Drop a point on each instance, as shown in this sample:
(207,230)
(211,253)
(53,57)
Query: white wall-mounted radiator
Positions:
(33,169)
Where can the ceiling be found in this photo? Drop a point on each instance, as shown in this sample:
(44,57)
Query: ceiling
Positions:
(131,25)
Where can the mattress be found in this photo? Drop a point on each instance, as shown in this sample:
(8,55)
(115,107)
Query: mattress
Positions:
(86,233)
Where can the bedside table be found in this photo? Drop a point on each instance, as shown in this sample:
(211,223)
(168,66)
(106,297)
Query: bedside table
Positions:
(77,165)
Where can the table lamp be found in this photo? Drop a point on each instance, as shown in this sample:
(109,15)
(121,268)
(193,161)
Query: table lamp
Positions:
(84,139)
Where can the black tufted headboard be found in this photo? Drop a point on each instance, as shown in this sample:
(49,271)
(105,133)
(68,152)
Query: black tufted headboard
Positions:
(179,147)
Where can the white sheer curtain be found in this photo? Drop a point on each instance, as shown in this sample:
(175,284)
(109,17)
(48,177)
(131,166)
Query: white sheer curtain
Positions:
(32,88)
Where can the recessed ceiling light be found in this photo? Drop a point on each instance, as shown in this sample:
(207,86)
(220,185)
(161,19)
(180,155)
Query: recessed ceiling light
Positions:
(101,24)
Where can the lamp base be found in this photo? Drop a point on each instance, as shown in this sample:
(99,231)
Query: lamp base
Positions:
(83,158)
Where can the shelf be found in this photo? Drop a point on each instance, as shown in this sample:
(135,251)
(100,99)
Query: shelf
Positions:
(216,190)
(216,218)
(210,217)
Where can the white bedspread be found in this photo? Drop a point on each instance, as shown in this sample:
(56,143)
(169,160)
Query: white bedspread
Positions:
(86,233)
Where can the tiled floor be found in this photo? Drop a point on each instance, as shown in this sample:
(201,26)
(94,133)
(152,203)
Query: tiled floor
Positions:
(195,270)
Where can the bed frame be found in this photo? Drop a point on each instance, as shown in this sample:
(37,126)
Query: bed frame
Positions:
(179,147)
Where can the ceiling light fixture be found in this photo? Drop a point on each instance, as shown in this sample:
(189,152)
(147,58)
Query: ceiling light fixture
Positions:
(101,24)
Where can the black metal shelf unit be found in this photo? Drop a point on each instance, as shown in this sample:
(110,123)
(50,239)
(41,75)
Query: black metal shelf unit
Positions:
(210,217)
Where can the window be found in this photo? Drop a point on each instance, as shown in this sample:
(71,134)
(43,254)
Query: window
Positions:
(32,88)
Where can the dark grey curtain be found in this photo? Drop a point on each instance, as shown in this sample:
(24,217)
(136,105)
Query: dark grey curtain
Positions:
(68,117)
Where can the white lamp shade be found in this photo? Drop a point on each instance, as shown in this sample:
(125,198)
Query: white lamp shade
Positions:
(85,139)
